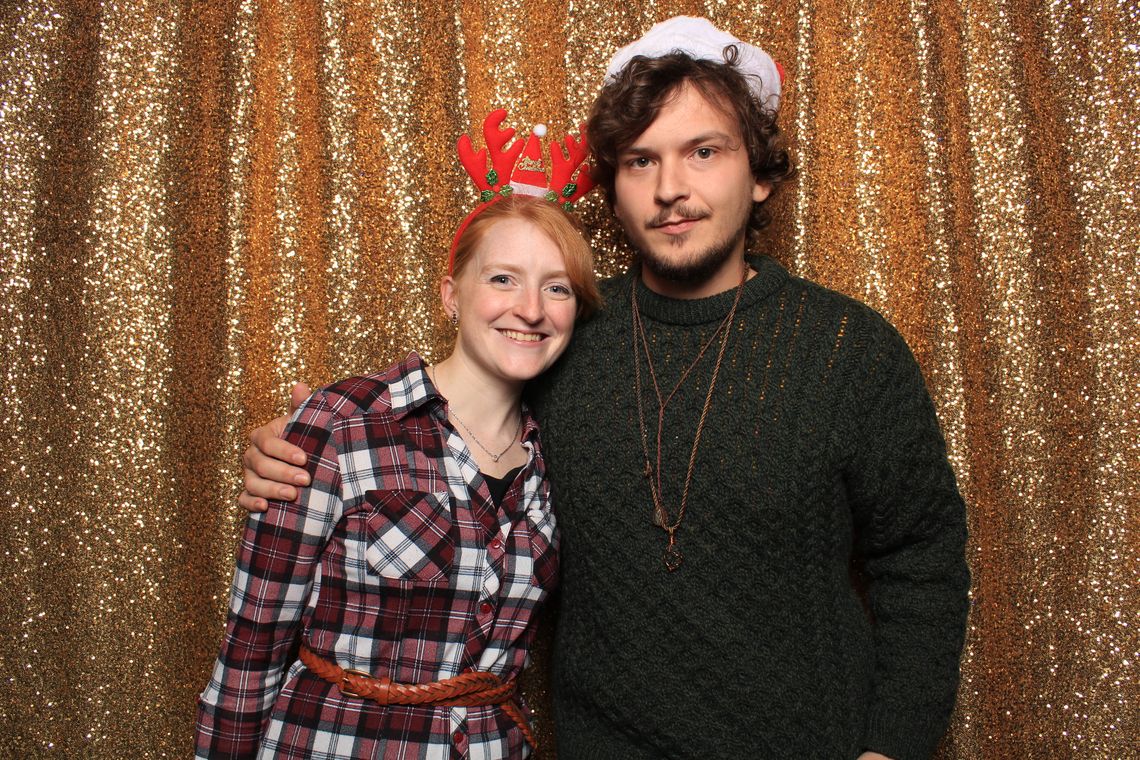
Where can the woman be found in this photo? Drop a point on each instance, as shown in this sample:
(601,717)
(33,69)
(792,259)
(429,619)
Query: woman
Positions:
(409,573)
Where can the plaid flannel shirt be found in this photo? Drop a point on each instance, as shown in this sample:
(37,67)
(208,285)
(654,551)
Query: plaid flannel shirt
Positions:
(393,561)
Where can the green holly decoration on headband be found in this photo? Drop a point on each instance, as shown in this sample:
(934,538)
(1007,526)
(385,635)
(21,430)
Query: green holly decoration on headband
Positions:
(487,195)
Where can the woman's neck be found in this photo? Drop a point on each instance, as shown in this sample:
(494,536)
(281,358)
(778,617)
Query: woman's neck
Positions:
(487,413)
(472,395)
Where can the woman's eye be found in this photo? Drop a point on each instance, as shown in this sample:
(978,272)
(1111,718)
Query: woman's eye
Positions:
(561,290)
(500,279)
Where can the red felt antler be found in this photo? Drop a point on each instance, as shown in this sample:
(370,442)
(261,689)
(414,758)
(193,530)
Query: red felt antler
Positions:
(502,161)
(564,164)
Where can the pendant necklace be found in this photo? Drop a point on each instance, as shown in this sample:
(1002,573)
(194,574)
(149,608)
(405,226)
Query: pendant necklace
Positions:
(673,557)
(451,412)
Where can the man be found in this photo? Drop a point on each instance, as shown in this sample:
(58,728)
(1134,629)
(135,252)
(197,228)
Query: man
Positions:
(724,440)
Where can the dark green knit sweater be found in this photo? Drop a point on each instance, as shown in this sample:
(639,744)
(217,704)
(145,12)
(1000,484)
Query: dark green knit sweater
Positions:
(821,446)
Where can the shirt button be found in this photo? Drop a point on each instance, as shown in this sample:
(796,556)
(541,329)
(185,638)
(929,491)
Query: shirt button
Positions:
(485,608)
(496,544)
(458,737)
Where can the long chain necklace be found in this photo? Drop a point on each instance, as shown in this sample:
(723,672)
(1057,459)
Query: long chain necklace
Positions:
(451,412)
(673,556)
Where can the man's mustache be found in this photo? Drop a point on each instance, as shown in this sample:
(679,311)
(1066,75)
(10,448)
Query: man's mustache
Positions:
(676,212)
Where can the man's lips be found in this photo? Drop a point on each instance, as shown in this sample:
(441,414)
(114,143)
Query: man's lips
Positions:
(676,226)
(525,337)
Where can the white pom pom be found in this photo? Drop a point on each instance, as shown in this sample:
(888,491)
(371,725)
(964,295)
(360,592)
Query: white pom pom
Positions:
(540,130)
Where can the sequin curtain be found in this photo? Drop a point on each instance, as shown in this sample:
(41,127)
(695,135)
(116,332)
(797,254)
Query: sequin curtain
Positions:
(204,201)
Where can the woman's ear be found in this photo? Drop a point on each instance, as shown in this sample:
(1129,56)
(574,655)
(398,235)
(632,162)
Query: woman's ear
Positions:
(449,295)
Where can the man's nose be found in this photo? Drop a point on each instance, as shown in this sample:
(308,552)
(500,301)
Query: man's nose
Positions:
(672,183)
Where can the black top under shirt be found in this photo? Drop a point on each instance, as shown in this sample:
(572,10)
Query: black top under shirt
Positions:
(498,486)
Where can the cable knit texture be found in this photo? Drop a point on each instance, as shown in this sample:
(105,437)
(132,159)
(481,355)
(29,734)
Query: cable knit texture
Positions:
(821,460)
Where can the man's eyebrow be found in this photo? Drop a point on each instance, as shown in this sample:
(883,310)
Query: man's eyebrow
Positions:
(635,150)
(713,136)
(692,142)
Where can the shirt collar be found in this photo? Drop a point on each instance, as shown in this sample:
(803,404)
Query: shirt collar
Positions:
(410,388)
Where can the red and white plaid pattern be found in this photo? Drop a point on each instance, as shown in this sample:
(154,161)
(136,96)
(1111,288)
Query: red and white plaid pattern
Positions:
(395,562)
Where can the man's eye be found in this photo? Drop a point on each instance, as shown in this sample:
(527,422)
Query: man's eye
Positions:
(638,163)
(705,152)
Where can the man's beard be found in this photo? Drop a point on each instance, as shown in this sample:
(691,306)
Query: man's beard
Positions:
(697,270)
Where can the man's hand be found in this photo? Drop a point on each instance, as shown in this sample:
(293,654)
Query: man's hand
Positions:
(268,462)
(873,756)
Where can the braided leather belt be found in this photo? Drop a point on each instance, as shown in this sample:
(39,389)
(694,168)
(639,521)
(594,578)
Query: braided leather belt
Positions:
(473,689)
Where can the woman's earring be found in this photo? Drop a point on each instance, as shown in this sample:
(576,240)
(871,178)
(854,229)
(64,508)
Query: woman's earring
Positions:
(455,318)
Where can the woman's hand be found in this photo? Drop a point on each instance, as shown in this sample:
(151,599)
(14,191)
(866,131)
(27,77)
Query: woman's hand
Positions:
(268,464)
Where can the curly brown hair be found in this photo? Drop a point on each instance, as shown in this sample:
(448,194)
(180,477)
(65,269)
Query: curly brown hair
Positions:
(630,102)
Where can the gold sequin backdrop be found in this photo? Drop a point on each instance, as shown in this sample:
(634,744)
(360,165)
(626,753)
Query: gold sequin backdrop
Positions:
(203,201)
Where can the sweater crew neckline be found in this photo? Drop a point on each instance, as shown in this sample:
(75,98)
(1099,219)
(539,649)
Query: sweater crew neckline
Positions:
(769,278)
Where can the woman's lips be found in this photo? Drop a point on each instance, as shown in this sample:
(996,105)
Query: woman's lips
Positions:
(525,337)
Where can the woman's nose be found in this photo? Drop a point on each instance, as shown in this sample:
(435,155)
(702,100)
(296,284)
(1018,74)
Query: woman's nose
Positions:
(529,305)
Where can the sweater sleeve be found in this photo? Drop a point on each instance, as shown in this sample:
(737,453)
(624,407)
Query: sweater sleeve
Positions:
(277,560)
(910,526)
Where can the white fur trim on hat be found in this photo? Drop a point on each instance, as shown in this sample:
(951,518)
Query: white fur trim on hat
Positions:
(700,39)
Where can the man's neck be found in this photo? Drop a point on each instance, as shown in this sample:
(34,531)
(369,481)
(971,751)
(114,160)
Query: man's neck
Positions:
(725,279)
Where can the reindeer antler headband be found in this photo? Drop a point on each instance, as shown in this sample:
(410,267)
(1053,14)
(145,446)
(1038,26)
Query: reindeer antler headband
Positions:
(520,169)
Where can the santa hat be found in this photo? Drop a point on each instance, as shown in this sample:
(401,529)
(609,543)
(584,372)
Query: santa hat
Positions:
(699,39)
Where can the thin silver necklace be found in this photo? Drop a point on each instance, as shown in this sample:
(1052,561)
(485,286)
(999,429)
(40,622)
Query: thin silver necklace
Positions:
(451,412)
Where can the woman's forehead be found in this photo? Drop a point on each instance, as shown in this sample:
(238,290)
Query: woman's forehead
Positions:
(519,244)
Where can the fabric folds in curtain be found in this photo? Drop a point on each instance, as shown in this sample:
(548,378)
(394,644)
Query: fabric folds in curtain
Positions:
(204,202)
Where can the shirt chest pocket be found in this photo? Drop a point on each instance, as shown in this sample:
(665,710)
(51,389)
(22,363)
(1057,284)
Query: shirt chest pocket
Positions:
(409,535)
